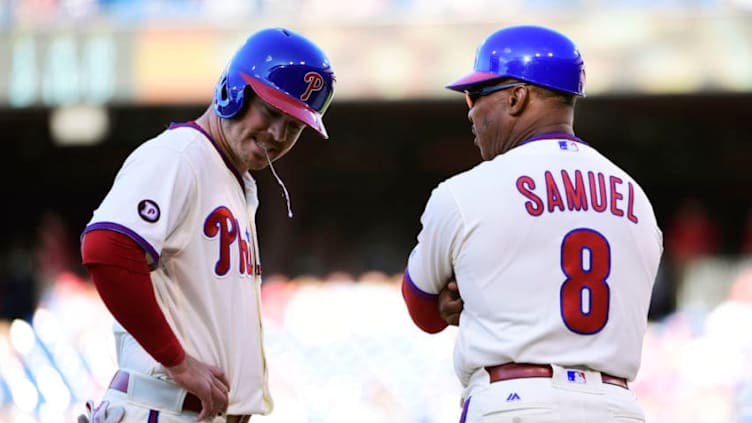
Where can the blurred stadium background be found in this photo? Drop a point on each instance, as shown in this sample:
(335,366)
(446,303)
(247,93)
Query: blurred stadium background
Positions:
(82,82)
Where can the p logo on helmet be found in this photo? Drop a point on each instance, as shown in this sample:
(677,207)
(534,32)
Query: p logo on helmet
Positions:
(315,83)
(284,69)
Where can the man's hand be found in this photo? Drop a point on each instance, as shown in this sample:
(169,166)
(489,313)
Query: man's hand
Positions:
(450,304)
(205,381)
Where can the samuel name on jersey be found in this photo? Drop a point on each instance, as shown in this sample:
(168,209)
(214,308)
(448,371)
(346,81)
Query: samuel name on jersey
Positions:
(568,192)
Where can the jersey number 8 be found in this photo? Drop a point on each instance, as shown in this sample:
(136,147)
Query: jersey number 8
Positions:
(585,294)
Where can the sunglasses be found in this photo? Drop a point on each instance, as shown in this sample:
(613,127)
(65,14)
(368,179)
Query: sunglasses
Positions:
(472,96)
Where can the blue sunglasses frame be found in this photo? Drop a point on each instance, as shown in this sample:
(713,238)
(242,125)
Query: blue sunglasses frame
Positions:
(472,96)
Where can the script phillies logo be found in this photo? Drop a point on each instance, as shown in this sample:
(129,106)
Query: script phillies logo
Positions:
(222,224)
(315,83)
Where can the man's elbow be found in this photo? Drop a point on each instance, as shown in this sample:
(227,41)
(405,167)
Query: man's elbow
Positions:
(423,310)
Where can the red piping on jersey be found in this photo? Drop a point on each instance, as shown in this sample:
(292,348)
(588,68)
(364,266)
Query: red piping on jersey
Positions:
(422,306)
(228,162)
(118,268)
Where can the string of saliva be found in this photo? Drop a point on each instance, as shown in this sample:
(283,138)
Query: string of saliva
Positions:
(282,184)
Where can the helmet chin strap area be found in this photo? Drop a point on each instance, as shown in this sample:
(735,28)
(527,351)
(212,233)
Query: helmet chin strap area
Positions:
(282,184)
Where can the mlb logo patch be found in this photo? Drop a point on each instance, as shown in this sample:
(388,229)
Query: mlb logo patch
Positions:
(568,146)
(576,376)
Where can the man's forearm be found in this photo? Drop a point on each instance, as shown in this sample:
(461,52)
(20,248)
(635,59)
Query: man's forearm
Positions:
(121,275)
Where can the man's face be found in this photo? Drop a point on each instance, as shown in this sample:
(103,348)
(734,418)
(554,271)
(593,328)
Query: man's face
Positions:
(491,125)
(260,131)
(486,119)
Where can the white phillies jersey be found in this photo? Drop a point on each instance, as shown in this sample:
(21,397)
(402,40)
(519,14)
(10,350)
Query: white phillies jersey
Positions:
(555,251)
(181,200)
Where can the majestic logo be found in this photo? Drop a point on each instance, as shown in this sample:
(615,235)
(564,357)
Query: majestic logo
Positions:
(148,210)
(315,83)
(222,224)
(513,397)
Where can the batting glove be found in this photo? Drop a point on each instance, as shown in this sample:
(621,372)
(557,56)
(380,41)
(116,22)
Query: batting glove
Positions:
(102,413)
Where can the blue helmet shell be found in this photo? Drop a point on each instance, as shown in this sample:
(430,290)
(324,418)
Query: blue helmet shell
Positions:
(286,70)
(534,54)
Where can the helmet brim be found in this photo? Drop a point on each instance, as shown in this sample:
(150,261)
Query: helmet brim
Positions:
(287,104)
(473,78)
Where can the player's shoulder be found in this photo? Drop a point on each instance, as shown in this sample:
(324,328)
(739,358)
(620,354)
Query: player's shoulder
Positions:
(532,158)
(174,142)
(494,168)
(608,165)
(178,138)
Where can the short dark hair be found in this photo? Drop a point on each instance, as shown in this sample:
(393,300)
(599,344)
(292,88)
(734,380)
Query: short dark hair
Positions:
(563,97)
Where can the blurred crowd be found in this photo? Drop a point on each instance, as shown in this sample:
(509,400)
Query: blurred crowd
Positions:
(341,347)
(691,236)
(31,12)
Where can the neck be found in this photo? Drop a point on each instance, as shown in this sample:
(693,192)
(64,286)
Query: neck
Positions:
(542,121)
(562,128)
(212,124)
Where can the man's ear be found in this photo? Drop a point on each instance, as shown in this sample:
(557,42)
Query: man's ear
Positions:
(518,100)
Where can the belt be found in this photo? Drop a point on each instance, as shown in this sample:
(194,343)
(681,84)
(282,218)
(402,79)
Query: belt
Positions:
(190,403)
(524,370)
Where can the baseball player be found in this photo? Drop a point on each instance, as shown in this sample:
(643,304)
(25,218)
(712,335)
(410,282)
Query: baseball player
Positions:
(545,254)
(173,251)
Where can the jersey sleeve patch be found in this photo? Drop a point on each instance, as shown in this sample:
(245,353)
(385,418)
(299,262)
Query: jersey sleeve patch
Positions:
(149,210)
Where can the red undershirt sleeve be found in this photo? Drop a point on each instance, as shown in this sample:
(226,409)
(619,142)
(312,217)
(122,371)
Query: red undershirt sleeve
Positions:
(118,267)
(423,308)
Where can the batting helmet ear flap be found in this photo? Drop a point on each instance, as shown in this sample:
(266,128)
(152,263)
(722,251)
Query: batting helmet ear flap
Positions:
(228,102)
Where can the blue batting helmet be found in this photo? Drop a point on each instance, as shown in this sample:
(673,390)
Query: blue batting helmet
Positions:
(286,70)
(534,54)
